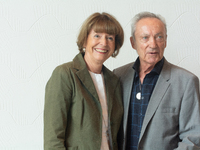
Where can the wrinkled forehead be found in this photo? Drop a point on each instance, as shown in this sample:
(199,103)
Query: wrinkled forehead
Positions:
(150,25)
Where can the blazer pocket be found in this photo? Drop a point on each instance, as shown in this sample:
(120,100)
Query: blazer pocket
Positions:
(168,110)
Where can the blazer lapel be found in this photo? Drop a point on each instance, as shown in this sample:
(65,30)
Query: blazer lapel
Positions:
(109,88)
(84,75)
(127,81)
(159,91)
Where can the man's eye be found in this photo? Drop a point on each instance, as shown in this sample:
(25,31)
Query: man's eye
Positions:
(145,37)
(160,38)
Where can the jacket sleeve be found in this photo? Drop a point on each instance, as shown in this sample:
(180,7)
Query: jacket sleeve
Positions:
(58,95)
(189,121)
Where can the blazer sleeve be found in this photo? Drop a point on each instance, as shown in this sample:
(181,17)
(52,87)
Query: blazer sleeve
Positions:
(189,120)
(58,95)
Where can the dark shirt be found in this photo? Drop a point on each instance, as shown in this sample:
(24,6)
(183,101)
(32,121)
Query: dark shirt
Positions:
(137,107)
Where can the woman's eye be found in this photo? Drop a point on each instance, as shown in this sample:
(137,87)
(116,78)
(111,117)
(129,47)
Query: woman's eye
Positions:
(96,35)
(111,38)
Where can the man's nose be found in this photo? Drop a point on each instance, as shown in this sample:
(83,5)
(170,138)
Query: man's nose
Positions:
(152,43)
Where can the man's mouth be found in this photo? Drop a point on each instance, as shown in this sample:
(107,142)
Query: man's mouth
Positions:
(153,52)
(100,50)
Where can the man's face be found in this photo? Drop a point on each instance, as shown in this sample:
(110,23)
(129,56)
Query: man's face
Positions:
(150,40)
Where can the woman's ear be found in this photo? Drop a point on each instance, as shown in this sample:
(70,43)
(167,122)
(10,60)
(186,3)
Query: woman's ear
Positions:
(84,44)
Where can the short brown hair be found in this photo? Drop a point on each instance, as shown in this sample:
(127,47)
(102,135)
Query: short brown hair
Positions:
(101,22)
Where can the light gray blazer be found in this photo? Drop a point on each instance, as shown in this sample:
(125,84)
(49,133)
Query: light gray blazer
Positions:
(172,119)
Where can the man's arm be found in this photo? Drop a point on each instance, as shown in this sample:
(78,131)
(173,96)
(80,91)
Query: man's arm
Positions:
(189,120)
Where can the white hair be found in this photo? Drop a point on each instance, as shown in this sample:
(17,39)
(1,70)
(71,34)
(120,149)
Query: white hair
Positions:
(143,15)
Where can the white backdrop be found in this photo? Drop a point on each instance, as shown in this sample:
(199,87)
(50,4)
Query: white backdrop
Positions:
(38,35)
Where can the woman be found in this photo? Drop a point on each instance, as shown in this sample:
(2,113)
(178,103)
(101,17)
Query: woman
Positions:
(83,102)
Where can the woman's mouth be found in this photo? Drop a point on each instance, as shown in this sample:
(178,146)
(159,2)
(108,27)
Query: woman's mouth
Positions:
(101,50)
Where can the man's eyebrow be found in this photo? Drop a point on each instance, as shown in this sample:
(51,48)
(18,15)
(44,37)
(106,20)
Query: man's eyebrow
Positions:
(159,33)
(144,34)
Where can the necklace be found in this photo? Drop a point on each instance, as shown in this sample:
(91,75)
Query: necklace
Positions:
(138,95)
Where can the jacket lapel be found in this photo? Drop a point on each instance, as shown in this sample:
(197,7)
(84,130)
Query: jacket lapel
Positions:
(84,75)
(127,81)
(85,78)
(109,88)
(157,96)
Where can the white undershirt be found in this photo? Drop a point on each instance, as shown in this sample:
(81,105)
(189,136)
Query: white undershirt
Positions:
(98,81)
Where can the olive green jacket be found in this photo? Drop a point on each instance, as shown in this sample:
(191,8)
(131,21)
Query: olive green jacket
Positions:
(72,111)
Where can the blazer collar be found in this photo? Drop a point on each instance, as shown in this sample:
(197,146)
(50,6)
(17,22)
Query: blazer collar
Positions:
(159,91)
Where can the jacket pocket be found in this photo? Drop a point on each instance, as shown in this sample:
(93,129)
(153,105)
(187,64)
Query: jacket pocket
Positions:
(168,110)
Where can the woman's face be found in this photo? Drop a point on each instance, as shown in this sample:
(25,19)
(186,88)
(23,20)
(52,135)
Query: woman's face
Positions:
(99,47)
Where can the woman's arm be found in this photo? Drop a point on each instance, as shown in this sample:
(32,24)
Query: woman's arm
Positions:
(58,95)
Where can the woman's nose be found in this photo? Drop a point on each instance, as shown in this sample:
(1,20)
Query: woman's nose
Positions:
(104,41)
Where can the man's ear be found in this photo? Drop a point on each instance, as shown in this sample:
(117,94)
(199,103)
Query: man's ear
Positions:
(166,41)
(132,42)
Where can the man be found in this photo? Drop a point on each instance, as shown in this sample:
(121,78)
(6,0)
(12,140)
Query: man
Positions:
(161,100)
